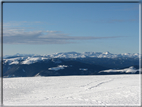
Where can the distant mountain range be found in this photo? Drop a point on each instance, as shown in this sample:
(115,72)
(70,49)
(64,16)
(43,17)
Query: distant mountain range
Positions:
(79,55)
(69,63)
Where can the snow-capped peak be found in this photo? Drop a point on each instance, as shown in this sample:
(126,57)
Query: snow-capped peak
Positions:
(107,52)
(32,58)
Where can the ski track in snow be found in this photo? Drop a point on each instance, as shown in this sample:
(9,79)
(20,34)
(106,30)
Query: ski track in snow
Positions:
(100,84)
(73,90)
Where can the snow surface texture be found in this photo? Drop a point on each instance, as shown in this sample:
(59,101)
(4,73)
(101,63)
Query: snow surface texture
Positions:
(108,90)
(29,59)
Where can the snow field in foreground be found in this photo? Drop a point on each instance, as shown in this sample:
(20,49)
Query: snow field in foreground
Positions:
(73,90)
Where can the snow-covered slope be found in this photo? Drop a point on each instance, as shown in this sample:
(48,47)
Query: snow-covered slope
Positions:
(58,67)
(106,90)
(31,58)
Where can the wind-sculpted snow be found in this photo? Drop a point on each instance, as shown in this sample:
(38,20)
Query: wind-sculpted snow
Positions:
(31,58)
(108,90)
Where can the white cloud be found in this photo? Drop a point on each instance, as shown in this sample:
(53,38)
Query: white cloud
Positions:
(20,36)
(14,33)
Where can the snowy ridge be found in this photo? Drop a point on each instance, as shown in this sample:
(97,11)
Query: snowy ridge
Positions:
(127,70)
(32,58)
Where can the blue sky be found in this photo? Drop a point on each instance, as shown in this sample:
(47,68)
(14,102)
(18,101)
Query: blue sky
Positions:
(46,28)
